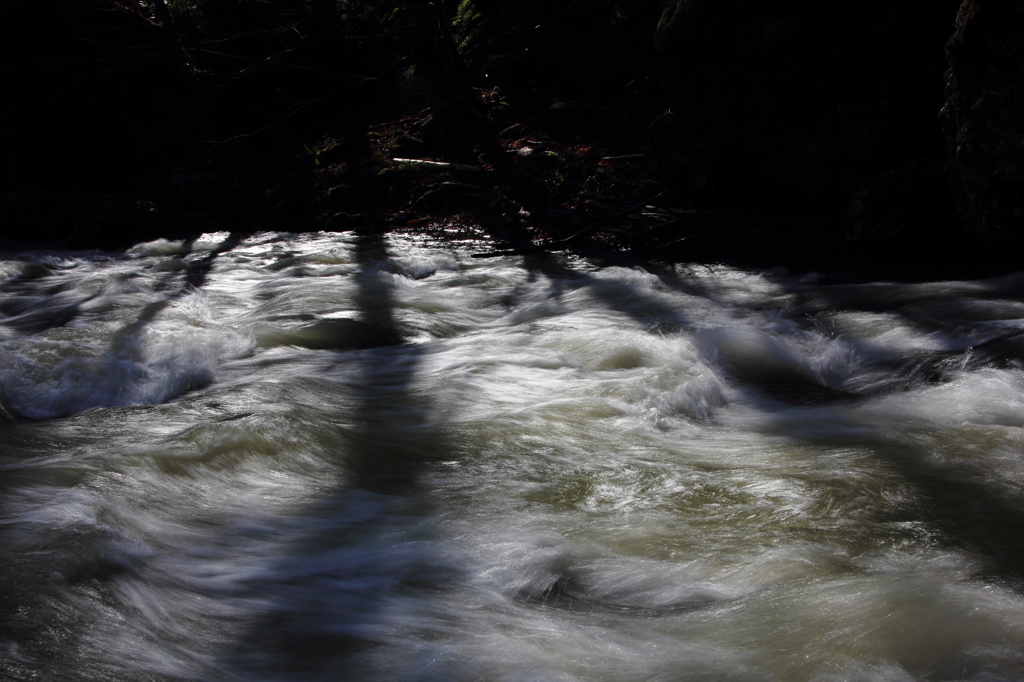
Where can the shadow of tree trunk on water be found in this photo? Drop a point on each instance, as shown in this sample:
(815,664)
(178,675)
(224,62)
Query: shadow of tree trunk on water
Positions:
(199,269)
(31,646)
(330,587)
(394,437)
(967,514)
(124,344)
(365,541)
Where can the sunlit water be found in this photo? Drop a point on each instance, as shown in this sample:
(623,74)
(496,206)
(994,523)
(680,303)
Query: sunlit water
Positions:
(339,457)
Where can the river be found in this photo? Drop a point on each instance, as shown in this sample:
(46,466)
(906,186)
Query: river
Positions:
(357,457)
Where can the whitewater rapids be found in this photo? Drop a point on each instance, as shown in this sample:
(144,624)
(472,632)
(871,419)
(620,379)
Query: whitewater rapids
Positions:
(358,457)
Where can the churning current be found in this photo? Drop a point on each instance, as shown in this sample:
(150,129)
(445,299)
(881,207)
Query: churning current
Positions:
(358,457)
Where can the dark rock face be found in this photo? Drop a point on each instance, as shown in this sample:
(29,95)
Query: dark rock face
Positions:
(984,119)
(799,100)
(908,208)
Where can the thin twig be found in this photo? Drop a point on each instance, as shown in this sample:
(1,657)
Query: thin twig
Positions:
(441,164)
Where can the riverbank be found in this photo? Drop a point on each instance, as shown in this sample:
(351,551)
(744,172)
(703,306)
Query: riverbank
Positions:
(610,134)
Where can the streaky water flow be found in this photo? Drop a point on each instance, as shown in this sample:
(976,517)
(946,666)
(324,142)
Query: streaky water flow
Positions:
(359,457)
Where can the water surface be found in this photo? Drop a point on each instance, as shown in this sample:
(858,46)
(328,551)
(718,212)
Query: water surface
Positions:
(349,457)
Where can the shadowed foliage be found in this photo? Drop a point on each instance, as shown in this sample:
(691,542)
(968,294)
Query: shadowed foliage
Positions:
(604,126)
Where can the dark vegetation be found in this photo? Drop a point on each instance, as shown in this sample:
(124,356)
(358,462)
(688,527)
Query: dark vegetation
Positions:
(857,134)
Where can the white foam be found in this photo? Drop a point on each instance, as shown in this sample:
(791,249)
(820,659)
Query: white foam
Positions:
(209,241)
(69,369)
(986,397)
(158,247)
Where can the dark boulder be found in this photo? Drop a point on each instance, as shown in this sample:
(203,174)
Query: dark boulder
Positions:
(984,119)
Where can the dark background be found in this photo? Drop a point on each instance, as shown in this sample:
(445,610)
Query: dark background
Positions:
(873,135)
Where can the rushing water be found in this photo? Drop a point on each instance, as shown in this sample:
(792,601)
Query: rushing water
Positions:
(341,457)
